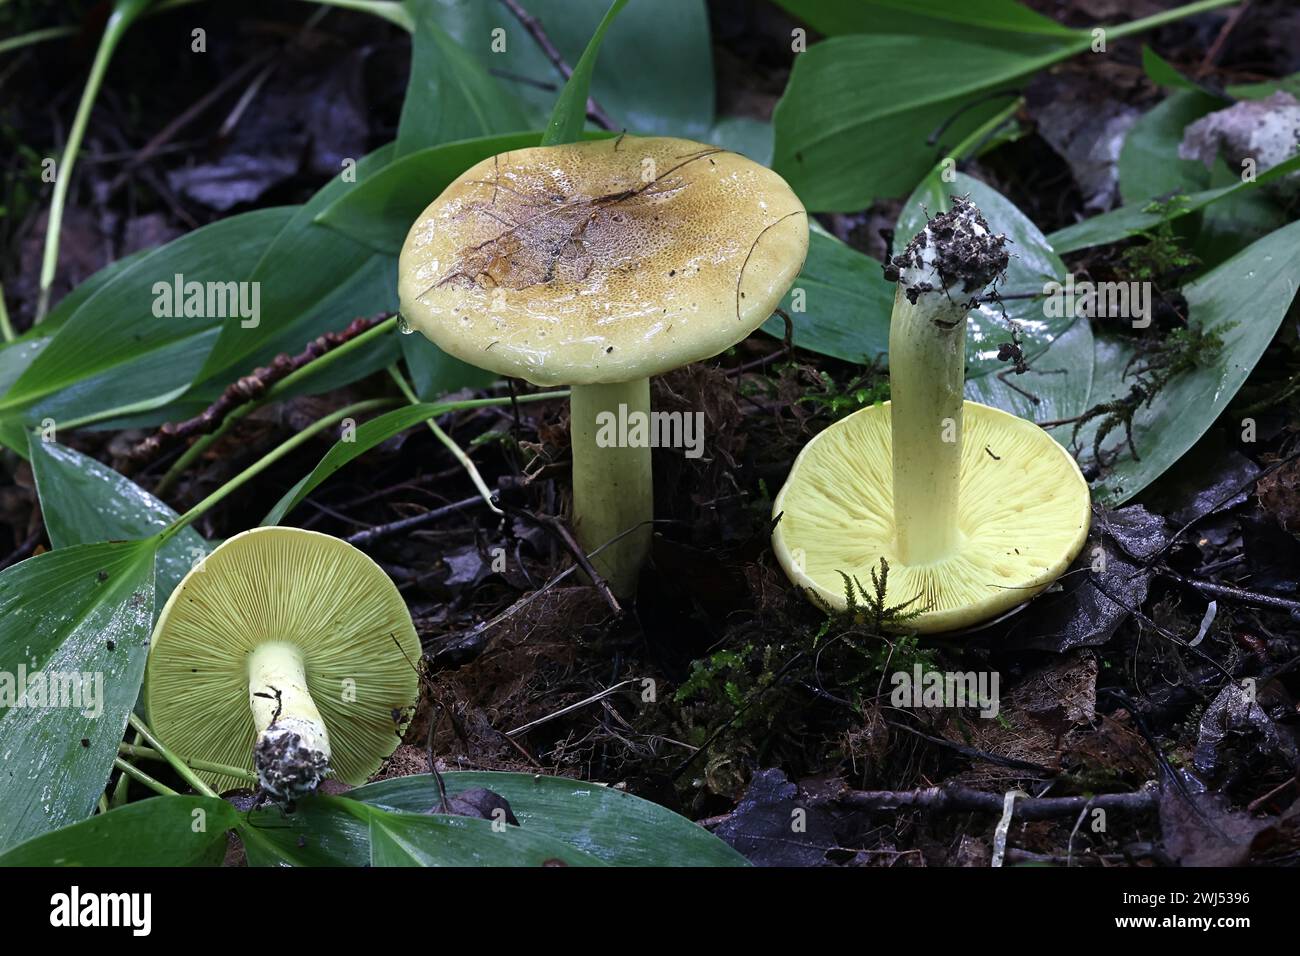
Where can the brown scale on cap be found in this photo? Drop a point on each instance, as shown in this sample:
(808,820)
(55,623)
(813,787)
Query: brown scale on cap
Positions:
(956,247)
(601,261)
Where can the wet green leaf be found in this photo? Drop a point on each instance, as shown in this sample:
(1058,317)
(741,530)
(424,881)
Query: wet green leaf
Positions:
(162,831)
(1244,300)
(84,501)
(85,609)
(614,826)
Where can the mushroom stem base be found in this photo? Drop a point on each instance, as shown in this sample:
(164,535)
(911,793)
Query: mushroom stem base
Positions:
(292,750)
(611,431)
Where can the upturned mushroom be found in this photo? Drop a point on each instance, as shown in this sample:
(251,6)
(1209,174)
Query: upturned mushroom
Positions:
(598,265)
(974,510)
(285,651)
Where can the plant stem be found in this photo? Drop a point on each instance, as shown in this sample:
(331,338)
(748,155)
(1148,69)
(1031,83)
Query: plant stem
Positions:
(36,36)
(184,772)
(6,327)
(1167,16)
(986,129)
(124,12)
(280,388)
(135,773)
(255,469)
(389,10)
(612,484)
(447,441)
(207,766)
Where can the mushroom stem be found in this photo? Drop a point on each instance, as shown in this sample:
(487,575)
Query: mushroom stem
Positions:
(292,750)
(927,356)
(944,265)
(612,485)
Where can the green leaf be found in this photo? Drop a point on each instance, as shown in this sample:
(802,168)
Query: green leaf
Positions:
(751,138)
(1060,377)
(857,113)
(367,436)
(114,331)
(1000,23)
(339,831)
(1138,217)
(86,609)
(655,75)
(617,827)
(161,831)
(450,94)
(1244,300)
(84,501)
(570,113)
(846,303)
(435,373)
(1162,72)
(407,839)
(319,832)
(1148,162)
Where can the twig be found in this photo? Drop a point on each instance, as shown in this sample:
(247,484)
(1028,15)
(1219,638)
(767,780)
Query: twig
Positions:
(536,31)
(962,799)
(371,535)
(558,528)
(1258,598)
(569,709)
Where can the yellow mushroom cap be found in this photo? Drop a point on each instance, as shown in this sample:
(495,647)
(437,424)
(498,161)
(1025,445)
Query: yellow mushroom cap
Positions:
(343,613)
(601,262)
(1024,512)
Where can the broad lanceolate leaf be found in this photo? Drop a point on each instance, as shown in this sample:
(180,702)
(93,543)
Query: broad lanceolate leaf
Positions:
(450,94)
(1137,217)
(840,304)
(570,113)
(854,121)
(74,628)
(84,501)
(655,74)
(1148,162)
(408,839)
(162,831)
(367,436)
(1244,300)
(614,826)
(339,831)
(117,327)
(997,23)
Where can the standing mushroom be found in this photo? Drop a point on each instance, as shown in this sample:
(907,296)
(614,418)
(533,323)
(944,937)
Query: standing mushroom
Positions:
(974,510)
(597,265)
(287,651)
